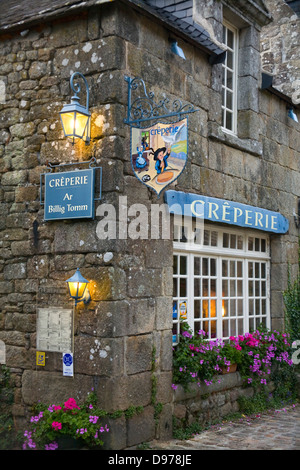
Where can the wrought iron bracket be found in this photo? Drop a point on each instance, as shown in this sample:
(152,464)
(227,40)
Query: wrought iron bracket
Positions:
(142,108)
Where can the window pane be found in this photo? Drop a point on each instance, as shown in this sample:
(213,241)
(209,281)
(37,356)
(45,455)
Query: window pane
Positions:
(175,268)
(175,291)
(228,120)
(197,287)
(212,267)
(229,82)
(224,268)
(230,38)
(229,59)
(225,240)
(197,304)
(182,265)
(214,238)
(197,266)
(183,292)
(205,266)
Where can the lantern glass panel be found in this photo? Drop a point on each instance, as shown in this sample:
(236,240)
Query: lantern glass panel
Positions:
(74,124)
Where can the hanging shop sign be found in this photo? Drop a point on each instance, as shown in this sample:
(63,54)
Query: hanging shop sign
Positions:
(159,136)
(223,211)
(159,153)
(69,194)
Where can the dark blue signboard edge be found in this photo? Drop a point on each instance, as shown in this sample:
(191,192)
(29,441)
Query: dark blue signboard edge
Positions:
(224,211)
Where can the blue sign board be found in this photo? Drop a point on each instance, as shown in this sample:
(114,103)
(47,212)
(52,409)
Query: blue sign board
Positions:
(69,195)
(228,212)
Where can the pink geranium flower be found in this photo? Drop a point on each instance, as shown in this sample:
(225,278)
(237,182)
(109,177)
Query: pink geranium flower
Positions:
(56,425)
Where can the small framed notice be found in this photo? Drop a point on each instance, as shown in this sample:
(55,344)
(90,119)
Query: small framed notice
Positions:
(54,329)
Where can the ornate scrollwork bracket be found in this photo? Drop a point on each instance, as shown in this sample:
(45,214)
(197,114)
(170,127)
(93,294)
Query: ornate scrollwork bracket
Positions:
(142,108)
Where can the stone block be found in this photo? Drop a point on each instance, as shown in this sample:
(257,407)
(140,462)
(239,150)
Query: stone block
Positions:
(141,427)
(248,93)
(119,393)
(77,238)
(71,32)
(102,356)
(6,287)
(163,315)
(14,178)
(38,267)
(22,130)
(15,271)
(116,439)
(164,390)
(144,282)
(22,248)
(52,387)
(164,429)
(91,57)
(141,316)
(138,353)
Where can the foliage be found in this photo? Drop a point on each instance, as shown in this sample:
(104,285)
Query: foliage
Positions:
(196,359)
(8,434)
(65,419)
(291,297)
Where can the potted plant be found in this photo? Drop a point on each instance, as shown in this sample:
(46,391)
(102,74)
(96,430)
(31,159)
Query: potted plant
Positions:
(66,425)
(231,356)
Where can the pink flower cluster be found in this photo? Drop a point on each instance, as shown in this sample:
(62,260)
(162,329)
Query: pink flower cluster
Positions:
(70,405)
(56,425)
(249,339)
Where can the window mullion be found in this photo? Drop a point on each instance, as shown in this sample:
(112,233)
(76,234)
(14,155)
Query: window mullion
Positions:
(246,296)
(190,291)
(219,298)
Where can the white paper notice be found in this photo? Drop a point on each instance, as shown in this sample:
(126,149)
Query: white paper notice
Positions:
(54,329)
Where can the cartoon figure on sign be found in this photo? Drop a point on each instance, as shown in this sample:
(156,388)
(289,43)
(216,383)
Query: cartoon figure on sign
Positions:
(141,162)
(159,153)
(160,156)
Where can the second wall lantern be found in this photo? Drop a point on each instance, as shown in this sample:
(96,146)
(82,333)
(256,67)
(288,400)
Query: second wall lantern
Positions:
(76,118)
(78,290)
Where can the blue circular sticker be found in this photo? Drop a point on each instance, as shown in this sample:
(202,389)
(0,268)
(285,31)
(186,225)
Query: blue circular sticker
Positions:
(68,360)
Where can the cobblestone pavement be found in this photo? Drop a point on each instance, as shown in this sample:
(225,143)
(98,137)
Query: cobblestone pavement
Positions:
(275,430)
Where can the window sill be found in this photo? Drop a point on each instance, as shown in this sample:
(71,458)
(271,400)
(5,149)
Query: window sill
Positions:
(215,132)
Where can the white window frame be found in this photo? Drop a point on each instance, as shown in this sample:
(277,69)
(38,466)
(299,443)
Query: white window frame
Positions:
(191,249)
(234,71)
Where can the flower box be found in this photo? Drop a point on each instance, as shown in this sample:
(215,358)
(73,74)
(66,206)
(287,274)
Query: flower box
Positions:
(229,369)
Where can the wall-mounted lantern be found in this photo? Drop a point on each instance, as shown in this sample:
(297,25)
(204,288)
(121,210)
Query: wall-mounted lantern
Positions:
(75,118)
(78,290)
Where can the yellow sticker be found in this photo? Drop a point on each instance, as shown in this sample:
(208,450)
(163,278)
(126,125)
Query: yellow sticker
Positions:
(183,310)
(40,358)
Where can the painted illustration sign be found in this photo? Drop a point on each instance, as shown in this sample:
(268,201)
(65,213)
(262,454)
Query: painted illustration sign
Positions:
(69,195)
(159,153)
(228,212)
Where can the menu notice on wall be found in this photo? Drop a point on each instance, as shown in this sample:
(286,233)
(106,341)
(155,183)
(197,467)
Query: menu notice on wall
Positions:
(54,329)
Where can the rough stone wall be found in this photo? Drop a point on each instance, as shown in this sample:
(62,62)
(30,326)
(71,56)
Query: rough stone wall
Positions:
(197,405)
(123,338)
(280,48)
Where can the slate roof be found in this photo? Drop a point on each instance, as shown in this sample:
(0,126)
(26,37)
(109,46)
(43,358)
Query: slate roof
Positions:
(295,5)
(174,14)
(177,16)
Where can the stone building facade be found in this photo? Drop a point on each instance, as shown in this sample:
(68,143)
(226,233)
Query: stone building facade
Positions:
(279,47)
(123,337)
